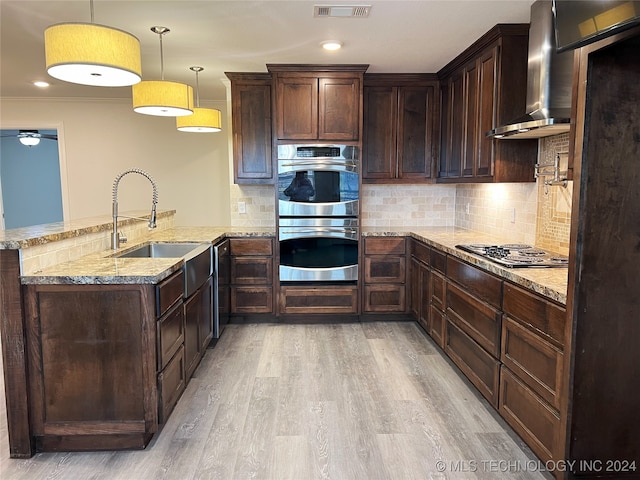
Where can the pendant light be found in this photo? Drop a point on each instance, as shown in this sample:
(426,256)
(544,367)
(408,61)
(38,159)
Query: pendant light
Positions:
(91,54)
(203,119)
(160,97)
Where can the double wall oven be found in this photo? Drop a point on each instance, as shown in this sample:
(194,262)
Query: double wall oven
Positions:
(318,205)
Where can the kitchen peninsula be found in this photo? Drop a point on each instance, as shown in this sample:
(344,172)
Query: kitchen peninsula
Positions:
(135,290)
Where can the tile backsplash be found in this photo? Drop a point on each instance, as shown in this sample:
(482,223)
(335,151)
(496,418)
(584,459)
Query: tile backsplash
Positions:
(518,212)
(506,210)
(408,205)
(35,258)
(554,202)
(259,206)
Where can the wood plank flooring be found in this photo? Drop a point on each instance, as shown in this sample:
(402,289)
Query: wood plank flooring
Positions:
(332,401)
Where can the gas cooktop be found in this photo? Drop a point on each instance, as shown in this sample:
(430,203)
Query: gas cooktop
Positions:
(516,255)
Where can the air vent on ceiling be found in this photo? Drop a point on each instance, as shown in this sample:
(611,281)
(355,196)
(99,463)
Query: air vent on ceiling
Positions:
(359,11)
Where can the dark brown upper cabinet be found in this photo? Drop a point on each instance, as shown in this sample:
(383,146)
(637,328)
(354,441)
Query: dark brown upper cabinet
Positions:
(251,126)
(399,142)
(317,102)
(482,88)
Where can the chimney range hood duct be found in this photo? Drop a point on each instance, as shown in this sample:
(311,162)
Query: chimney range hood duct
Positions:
(549,82)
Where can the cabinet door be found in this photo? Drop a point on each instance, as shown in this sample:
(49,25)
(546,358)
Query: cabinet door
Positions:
(450,165)
(206,317)
(415,132)
(384,269)
(420,293)
(385,298)
(251,113)
(379,133)
(487,69)
(192,314)
(471,103)
(297,108)
(338,109)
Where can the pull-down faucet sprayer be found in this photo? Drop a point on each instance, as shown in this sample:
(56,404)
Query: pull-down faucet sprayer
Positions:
(115,235)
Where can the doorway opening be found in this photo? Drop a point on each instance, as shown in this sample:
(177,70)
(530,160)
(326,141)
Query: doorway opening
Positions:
(32,179)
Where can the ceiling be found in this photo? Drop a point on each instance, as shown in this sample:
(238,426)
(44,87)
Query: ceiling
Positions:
(243,36)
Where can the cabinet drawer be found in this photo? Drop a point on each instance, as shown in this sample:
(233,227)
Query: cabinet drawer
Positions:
(529,415)
(309,300)
(438,326)
(252,299)
(480,368)
(535,361)
(480,321)
(438,288)
(385,298)
(438,261)
(531,309)
(170,334)
(421,251)
(168,292)
(384,269)
(384,246)
(251,270)
(481,284)
(171,384)
(251,246)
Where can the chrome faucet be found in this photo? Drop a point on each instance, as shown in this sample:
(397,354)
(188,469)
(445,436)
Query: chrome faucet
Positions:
(116,237)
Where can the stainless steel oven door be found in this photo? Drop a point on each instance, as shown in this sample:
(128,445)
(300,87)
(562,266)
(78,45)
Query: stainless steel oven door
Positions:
(318,250)
(311,186)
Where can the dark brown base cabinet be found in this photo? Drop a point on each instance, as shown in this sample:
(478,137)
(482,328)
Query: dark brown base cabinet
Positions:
(92,366)
(314,300)
(108,363)
(507,341)
(385,272)
(252,264)
(419,281)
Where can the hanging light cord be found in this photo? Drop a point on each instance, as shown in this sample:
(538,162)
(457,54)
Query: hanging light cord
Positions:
(197,70)
(161,31)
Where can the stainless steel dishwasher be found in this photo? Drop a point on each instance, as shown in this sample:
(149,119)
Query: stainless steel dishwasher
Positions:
(222,279)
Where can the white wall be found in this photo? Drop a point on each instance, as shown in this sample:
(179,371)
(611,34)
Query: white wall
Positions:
(101,138)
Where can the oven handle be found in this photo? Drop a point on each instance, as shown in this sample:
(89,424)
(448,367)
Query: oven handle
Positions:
(316,163)
(321,230)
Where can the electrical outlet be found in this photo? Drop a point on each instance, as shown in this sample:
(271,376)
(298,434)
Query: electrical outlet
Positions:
(513,215)
(242,207)
(468,209)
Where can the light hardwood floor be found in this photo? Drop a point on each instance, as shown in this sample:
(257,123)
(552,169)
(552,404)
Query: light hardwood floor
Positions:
(333,401)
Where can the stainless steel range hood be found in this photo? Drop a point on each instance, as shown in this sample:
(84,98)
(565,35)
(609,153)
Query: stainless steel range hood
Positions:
(549,82)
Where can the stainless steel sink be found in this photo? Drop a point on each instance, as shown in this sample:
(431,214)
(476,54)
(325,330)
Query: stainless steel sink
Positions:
(198,259)
(160,250)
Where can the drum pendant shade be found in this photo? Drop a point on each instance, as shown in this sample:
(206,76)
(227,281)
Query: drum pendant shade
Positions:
(202,120)
(163,98)
(160,97)
(91,54)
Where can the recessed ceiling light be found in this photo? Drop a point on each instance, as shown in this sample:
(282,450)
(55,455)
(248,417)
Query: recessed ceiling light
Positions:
(331,45)
(41,84)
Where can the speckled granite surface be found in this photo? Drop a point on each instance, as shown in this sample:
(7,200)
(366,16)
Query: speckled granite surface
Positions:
(17,238)
(550,282)
(104,268)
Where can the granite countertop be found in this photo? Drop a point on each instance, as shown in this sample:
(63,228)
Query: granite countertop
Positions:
(17,238)
(550,282)
(104,268)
